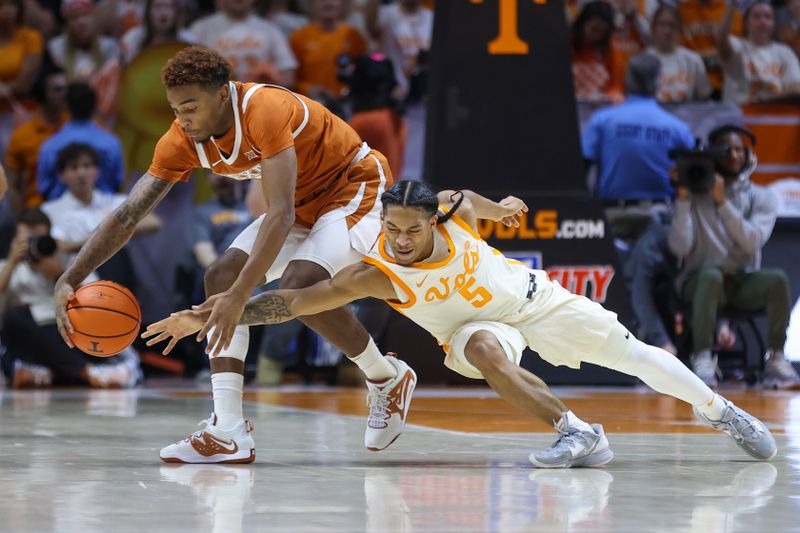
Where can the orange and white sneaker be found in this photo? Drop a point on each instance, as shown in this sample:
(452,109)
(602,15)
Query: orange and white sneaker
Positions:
(388,406)
(213,445)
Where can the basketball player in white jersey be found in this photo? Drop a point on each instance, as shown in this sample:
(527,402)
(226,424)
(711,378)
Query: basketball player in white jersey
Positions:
(431,265)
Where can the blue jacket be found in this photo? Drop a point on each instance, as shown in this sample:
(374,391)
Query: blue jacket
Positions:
(630,144)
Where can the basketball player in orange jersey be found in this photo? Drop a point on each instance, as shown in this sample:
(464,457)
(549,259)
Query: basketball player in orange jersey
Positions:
(431,265)
(322,187)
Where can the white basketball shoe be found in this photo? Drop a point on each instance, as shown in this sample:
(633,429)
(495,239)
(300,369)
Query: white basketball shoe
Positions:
(213,445)
(575,448)
(388,406)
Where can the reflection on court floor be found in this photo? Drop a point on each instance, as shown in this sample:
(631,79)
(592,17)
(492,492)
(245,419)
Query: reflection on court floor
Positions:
(87,461)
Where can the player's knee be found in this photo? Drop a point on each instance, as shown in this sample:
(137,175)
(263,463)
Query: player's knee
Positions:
(219,277)
(484,352)
(302,274)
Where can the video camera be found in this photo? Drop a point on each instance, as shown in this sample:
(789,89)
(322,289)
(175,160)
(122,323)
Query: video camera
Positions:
(696,167)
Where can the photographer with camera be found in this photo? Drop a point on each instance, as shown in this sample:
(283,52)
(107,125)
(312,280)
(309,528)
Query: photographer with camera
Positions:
(721,222)
(35,355)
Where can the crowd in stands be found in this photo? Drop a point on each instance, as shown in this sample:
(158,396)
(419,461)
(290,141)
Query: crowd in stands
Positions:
(69,70)
(738,51)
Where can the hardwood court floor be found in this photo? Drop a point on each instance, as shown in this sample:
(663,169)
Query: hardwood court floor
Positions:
(87,461)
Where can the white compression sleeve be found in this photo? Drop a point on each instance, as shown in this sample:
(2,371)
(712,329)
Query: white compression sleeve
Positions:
(664,373)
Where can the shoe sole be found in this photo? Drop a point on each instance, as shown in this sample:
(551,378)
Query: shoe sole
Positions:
(240,460)
(405,414)
(592,460)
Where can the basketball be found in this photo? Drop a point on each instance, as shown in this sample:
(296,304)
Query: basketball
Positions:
(105,317)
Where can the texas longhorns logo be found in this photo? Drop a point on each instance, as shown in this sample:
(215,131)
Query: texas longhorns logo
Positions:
(508,41)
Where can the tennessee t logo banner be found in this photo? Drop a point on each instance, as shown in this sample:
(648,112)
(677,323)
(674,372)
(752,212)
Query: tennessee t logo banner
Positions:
(508,41)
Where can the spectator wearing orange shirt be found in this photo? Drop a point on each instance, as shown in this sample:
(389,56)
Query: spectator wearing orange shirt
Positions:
(20,57)
(318,46)
(597,65)
(701,21)
(50,91)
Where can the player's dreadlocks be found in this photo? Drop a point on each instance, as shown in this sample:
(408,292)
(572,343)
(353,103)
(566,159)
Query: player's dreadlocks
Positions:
(407,193)
(196,65)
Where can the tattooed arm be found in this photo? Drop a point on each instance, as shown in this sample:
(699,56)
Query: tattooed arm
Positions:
(353,283)
(109,237)
(272,307)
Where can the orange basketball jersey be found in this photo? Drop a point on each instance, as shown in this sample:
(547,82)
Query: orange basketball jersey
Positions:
(267,120)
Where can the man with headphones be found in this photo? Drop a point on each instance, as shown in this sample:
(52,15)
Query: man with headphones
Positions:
(718,236)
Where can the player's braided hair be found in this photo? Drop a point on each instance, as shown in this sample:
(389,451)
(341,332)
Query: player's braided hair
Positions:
(407,193)
(196,65)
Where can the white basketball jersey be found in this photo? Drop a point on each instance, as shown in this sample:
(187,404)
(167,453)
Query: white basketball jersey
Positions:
(475,283)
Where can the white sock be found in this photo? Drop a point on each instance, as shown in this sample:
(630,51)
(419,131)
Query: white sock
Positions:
(227,388)
(574,422)
(714,408)
(373,363)
(663,372)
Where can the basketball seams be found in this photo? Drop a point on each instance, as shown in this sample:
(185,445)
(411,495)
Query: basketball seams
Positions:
(105,309)
(89,335)
(111,285)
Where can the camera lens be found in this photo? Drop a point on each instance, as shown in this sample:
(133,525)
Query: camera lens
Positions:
(41,247)
(695,172)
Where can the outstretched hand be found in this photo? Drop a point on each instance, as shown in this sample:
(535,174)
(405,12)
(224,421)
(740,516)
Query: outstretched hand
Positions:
(175,327)
(512,209)
(223,311)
